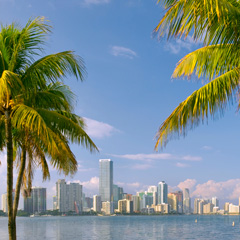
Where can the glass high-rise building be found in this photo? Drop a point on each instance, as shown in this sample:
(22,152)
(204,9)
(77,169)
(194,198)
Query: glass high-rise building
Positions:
(39,199)
(106,180)
(162,192)
(68,196)
(37,202)
(186,201)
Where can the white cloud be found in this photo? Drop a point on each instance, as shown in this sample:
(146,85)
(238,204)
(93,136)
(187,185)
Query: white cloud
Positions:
(132,187)
(98,129)
(96,2)
(207,148)
(188,183)
(157,156)
(81,168)
(123,52)
(191,158)
(182,165)
(141,166)
(227,190)
(177,45)
(91,186)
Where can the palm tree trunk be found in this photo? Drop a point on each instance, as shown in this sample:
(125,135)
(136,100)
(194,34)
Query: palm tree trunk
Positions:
(11,220)
(19,181)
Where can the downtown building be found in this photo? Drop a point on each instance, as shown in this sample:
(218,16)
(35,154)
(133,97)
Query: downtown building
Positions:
(162,193)
(186,201)
(4,201)
(68,197)
(37,202)
(106,180)
(154,191)
(97,203)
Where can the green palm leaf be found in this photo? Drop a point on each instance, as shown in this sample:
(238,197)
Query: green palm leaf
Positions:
(208,100)
(213,21)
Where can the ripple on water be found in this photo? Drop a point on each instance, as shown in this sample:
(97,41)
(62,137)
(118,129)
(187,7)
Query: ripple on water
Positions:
(125,228)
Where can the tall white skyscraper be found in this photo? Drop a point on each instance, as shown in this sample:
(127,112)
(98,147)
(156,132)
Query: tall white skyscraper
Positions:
(154,191)
(4,201)
(106,180)
(162,192)
(68,196)
(215,201)
(97,203)
(186,201)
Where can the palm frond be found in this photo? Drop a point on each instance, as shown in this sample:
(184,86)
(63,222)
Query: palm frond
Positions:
(213,21)
(69,125)
(52,68)
(54,96)
(208,62)
(208,100)
(10,84)
(28,43)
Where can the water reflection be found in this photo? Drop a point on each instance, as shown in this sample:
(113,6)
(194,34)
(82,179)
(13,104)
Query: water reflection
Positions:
(125,228)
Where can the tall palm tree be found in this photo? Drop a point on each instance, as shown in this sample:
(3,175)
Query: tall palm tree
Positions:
(23,104)
(52,106)
(216,24)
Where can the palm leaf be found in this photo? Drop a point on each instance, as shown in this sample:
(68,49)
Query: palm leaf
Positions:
(213,21)
(208,100)
(208,62)
(52,68)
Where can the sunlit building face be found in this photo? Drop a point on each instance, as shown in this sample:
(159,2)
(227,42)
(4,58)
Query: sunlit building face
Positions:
(106,180)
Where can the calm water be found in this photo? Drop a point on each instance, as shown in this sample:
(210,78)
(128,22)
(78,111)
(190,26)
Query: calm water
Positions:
(125,227)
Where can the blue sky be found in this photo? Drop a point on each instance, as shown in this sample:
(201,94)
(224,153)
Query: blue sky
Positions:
(127,94)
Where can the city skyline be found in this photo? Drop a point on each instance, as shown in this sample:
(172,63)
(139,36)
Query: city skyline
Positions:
(69,197)
(127,94)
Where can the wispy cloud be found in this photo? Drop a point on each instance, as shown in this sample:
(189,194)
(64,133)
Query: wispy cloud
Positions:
(91,186)
(228,190)
(95,2)
(81,168)
(132,187)
(177,45)
(120,51)
(207,148)
(158,156)
(182,165)
(188,183)
(96,129)
(142,166)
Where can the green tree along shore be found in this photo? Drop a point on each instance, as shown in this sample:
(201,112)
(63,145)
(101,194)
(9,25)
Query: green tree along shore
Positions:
(216,24)
(37,122)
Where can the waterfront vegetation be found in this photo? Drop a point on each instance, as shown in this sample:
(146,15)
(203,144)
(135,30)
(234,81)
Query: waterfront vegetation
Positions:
(215,24)
(37,121)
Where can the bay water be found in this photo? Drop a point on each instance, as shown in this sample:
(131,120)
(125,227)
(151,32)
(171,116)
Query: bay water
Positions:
(169,227)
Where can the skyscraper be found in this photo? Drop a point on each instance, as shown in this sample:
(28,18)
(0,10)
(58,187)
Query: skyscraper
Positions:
(97,203)
(39,198)
(4,201)
(162,192)
(154,191)
(186,201)
(106,180)
(68,196)
(179,195)
(37,202)
(215,201)
(173,202)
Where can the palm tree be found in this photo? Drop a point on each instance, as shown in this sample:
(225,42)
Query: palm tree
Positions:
(216,24)
(31,111)
(52,106)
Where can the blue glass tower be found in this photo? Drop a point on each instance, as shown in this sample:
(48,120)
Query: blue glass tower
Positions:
(162,192)
(106,180)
